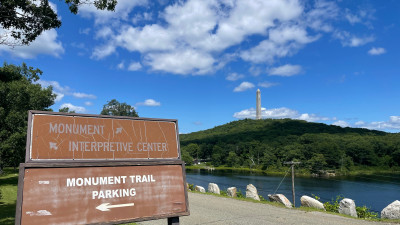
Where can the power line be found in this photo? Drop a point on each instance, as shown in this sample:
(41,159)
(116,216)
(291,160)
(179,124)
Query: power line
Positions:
(281,181)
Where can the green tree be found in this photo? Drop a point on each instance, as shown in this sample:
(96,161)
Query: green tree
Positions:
(269,159)
(19,93)
(187,158)
(66,110)
(217,156)
(317,163)
(115,108)
(193,149)
(24,20)
(232,160)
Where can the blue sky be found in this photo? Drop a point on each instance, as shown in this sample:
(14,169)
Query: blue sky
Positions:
(201,61)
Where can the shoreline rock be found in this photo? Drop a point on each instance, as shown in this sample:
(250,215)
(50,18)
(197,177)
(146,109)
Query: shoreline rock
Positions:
(347,207)
(232,192)
(200,189)
(281,199)
(251,192)
(392,211)
(307,201)
(213,188)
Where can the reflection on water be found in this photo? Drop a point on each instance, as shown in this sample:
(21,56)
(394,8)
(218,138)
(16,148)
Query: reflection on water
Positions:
(374,191)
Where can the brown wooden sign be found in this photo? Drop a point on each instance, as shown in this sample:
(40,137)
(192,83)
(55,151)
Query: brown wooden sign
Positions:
(88,195)
(60,136)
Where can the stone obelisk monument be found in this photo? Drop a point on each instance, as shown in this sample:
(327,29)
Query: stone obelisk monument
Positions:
(258,107)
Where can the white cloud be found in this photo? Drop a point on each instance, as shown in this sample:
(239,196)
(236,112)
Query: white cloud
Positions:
(134,66)
(359,123)
(59,96)
(255,70)
(270,113)
(142,17)
(62,91)
(318,17)
(45,44)
(83,95)
(377,51)
(189,36)
(149,102)
(56,86)
(234,76)
(78,109)
(266,84)
(121,12)
(341,123)
(283,41)
(285,70)
(103,51)
(104,32)
(351,40)
(244,86)
(392,124)
(395,120)
(353,19)
(121,65)
(312,117)
(279,113)
(88,103)
(181,62)
(363,16)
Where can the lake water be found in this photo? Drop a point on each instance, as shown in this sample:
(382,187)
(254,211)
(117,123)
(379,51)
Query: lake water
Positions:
(373,191)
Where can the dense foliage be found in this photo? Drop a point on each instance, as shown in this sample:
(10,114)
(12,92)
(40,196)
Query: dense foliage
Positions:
(266,144)
(115,108)
(22,21)
(18,94)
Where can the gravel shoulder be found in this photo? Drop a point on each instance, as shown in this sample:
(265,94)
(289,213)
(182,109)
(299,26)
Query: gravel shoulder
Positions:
(208,209)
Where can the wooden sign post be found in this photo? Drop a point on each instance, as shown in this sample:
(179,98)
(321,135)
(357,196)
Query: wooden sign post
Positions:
(85,169)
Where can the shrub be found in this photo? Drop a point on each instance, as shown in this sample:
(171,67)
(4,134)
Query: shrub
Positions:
(316,197)
(191,187)
(365,212)
(239,194)
(223,193)
(333,205)
(362,211)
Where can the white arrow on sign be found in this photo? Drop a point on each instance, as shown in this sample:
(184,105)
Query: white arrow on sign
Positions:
(107,206)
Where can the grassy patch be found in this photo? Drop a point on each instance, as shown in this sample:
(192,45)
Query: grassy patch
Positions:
(242,199)
(306,209)
(8,189)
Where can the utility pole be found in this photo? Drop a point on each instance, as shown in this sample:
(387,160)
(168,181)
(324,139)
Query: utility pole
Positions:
(293,192)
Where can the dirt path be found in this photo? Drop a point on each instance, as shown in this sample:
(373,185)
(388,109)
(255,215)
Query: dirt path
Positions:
(207,209)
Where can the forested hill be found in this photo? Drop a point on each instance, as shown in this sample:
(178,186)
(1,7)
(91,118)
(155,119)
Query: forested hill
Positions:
(269,142)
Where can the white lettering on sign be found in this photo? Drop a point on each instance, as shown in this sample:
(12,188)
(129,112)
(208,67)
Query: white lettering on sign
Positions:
(61,128)
(116,193)
(110,180)
(88,181)
(87,146)
(142,179)
(152,147)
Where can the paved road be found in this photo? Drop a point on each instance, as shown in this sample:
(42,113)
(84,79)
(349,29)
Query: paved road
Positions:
(207,209)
